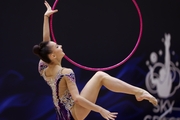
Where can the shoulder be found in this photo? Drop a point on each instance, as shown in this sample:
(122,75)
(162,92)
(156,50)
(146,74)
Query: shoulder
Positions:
(67,71)
(69,74)
(41,66)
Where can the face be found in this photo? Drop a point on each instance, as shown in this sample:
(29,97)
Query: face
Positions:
(57,52)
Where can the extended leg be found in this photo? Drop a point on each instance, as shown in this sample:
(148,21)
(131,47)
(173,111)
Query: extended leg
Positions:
(117,85)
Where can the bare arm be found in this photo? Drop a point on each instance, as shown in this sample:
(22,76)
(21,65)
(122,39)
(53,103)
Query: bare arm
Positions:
(86,103)
(46,31)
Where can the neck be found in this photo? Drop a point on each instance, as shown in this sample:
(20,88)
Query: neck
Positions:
(53,64)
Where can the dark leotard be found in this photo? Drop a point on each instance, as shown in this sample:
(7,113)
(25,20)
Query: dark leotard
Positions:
(64,103)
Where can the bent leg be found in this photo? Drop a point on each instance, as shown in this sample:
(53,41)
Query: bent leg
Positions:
(91,91)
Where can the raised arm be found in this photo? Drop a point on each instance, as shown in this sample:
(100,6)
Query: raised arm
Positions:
(46,31)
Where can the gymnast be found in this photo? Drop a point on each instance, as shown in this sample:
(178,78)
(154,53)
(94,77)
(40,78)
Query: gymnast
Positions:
(69,103)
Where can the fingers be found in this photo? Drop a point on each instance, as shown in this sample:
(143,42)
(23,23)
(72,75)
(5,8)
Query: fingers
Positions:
(54,11)
(49,7)
(112,116)
(49,11)
(47,4)
(114,113)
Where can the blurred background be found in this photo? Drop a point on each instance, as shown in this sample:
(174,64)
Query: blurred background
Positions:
(94,33)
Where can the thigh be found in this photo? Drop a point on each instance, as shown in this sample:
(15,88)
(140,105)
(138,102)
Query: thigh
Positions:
(92,88)
(90,92)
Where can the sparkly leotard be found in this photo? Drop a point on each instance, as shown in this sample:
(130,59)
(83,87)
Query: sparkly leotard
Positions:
(64,103)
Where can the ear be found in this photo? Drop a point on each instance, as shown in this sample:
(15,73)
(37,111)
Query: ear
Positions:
(52,56)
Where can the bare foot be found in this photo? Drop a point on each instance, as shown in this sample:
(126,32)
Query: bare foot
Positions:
(144,95)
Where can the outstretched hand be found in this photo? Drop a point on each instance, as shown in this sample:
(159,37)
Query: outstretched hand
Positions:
(108,115)
(49,11)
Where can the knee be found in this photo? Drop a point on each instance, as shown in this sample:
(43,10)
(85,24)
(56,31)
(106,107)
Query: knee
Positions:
(100,74)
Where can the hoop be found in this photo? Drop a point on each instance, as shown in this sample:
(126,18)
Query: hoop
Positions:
(105,68)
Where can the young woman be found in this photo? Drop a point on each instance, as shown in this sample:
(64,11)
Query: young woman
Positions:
(69,103)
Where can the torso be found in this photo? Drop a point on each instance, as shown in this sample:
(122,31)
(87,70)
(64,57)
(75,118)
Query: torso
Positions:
(61,97)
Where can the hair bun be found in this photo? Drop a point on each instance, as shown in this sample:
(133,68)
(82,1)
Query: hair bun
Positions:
(36,49)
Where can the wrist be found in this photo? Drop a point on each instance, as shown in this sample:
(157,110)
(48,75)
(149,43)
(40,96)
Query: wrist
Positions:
(46,16)
(100,109)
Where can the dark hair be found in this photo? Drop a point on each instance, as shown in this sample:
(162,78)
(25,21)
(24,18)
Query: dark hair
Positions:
(42,50)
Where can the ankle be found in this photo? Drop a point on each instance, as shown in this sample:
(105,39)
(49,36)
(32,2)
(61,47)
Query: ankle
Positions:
(139,91)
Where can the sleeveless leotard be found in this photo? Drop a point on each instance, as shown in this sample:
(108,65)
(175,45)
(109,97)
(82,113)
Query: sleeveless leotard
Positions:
(64,103)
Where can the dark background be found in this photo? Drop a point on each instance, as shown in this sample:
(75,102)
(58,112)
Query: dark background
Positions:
(95,33)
